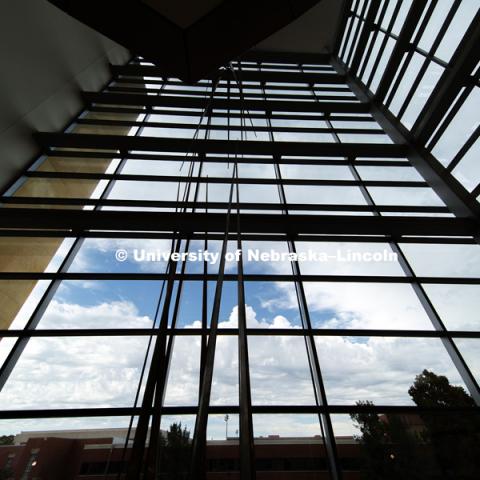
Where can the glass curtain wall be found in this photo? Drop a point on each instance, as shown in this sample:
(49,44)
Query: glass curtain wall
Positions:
(344,339)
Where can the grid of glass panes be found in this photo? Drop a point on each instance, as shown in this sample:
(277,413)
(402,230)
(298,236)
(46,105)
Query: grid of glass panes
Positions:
(437,30)
(370,326)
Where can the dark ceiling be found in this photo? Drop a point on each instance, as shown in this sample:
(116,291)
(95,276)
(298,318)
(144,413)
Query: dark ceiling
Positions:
(190,39)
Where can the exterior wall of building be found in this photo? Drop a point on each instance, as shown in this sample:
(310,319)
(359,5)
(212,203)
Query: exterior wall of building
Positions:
(93,455)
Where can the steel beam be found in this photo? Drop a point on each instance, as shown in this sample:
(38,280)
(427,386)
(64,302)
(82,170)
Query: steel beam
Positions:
(364,36)
(187,223)
(447,187)
(195,332)
(115,98)
(247,277)
(256,409)
(148,144)
(456,76)
(401,47)
(247,75)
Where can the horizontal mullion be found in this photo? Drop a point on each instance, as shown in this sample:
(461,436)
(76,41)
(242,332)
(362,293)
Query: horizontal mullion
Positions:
(124,143)
(430,56)
(247,75)
(226,95)
(221,205)
(233,409)
(200,103)
(294,226)
(213,127)
(167,83)
(226,180)
(34,233)
(194,277)
(270,332)
(211,159)
(275,116)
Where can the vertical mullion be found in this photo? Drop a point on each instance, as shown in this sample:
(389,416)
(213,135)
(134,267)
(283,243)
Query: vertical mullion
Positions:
(463,151)
(368,25)
(350,20)
(361,19)
(387,35)
(203,340)
(342,35)
(430,53)
(152,386)
(164,372)
(314,364)
(247,447)
(463,62)
(452,112)
(158,375)
(199,438)
(426,60)
(402,46)
(373,39)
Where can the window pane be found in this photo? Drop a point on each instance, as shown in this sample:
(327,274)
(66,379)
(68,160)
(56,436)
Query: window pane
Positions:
(467,172)
(329,258)
(443,260)
(279,371)
(271,305)
(457,305)
(405,196)
(316,172)
(316,194)
(184,372)
(459,129)
(75,372)
(470,351)
(365,306)
(289,445)
(377,369)
(407,445)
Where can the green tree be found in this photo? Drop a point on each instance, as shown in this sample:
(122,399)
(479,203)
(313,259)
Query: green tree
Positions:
(454,437)
(175,452)
(6,474)
(6,439)
(440,446)
(389,448)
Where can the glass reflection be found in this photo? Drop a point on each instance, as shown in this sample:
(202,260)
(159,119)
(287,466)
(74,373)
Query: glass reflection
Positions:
(289,446)
(421,445)
(379,369)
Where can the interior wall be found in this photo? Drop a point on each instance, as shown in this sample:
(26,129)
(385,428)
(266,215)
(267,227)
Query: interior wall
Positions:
(46,59)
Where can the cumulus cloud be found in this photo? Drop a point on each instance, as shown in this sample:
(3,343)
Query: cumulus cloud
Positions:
(117,314)
(365,306)
(101,372)
(79,372)
(98,255)
(379,369)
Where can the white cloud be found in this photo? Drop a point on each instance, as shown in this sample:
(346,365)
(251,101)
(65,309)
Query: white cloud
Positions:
(79,372)
(117,314)
(443,260)
(100,372)
(365,306)
(98,254)
(379,369)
